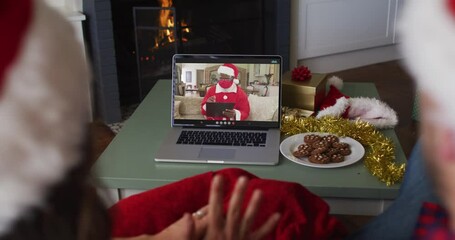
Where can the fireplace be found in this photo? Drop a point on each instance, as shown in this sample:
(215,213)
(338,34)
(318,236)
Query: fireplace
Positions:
(132,41)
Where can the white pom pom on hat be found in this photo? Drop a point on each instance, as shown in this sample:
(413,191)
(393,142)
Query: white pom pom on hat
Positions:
(335,102)
(427,32)
(335,81)
(42,114)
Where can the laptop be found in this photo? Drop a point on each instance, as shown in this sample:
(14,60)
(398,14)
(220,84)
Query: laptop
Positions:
(224,122)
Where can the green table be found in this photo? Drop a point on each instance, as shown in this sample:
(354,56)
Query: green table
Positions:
(127,166)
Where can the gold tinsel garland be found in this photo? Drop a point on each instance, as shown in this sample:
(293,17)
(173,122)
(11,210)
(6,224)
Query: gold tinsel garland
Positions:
(380,150)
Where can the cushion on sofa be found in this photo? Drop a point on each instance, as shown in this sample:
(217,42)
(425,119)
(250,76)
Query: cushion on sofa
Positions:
(177,109)
(262,108)
(189,105)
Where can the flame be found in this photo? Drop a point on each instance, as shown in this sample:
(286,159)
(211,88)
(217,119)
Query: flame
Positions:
(164,15)
(166,20)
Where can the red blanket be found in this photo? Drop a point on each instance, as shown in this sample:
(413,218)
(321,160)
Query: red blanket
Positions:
(303,214)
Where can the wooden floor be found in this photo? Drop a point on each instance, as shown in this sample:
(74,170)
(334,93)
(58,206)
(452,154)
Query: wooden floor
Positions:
(395,88)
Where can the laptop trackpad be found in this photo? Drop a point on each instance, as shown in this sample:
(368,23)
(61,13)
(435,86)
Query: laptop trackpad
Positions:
(216,153)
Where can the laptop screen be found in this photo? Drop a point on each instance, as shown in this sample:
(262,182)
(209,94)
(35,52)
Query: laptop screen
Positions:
(227,91)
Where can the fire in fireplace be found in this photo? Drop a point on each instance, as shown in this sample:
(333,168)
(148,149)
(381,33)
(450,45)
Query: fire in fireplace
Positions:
(155,39)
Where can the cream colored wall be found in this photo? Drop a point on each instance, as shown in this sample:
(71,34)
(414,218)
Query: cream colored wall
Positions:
(67,5)
(78,5)
(379,48)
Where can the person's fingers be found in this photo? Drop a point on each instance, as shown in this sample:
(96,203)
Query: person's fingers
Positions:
(200,222)
(215,208)
(235,207)
(188,224)
(250,212)
(232,113)
(201,213)
(184,228)
(267,227)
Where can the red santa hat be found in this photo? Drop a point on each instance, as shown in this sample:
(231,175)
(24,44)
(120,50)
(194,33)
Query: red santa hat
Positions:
(230,70)
(370,110)
(42,114)
(427,31)
(335,103)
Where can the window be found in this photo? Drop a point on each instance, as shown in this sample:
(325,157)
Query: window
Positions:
(188,77)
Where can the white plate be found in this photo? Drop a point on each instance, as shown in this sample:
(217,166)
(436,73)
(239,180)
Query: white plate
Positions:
(290,144)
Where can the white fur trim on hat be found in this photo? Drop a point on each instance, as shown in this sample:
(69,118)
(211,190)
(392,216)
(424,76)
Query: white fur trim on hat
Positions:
(370,110)
(336,110)
(42,114)
(428,35)
(226,70)
(373,111)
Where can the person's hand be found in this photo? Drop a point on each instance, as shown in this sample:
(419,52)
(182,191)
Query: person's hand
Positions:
(230,113)
(186,228)
(210,224)
(235,226)
(211,99)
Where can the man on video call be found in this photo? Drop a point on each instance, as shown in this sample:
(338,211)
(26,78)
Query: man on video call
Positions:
(227,91)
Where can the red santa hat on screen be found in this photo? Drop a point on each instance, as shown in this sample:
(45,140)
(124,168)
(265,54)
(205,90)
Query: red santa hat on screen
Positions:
(42,113)
(427,29)
(371,110)
(230,70)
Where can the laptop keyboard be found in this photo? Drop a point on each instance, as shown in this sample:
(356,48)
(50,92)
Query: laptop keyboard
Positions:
(250,139)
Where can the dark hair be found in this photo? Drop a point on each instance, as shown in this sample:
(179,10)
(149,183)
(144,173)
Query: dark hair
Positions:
(73,210)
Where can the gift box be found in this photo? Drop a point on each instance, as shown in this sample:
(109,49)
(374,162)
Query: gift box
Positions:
(293,113)
(306,95)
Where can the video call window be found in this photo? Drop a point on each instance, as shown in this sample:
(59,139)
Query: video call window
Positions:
(227,91)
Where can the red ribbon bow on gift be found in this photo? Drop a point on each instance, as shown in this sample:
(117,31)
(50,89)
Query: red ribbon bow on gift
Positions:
(301,73)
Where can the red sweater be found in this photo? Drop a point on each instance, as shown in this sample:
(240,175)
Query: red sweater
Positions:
(234,94)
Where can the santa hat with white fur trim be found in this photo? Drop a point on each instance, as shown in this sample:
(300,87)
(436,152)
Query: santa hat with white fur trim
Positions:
(427,29)
(230,70)
(42,114)
(371,110)
(335,103)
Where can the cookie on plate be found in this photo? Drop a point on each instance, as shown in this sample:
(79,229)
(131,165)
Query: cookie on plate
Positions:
(319,159)
(340,145)
(345,151)
(311,138)
(320,144)
(330,139)
(337,158)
